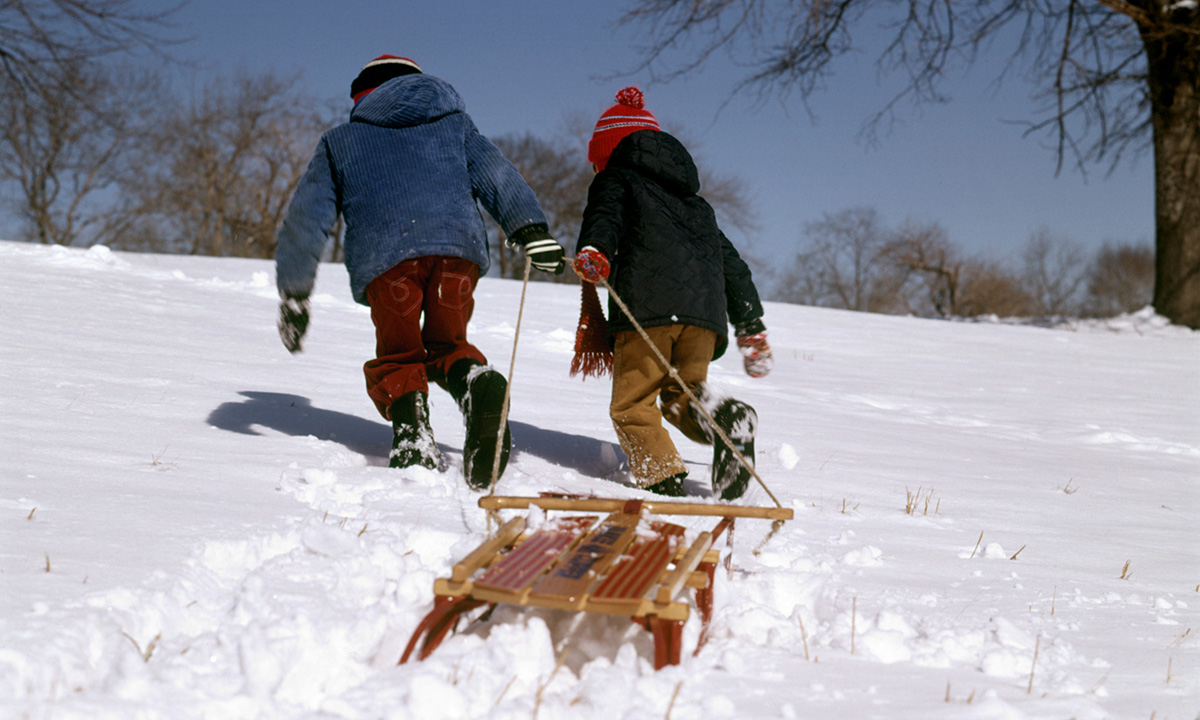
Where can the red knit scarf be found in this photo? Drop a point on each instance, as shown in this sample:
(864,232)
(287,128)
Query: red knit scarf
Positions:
(593,355)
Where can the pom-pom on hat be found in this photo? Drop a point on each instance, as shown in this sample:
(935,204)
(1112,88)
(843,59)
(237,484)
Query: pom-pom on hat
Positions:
(627,116)
(379,71)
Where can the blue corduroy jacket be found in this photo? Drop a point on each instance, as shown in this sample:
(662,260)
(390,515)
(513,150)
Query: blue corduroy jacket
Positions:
(405,173)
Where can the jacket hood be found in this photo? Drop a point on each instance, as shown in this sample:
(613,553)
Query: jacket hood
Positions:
(659,156)
(408,100)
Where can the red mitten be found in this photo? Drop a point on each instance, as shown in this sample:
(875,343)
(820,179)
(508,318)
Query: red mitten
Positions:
(756,354)
(591,265)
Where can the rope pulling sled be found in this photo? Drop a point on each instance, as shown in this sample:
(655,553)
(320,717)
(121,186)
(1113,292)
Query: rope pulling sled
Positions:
(625,564)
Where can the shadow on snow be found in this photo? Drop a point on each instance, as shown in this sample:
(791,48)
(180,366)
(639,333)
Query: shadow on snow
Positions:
(295,415)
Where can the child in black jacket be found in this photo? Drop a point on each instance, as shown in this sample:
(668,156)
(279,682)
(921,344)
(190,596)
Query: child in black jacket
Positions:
(658,243)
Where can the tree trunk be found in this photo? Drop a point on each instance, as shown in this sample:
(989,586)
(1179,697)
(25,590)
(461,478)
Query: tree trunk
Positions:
(1173,62)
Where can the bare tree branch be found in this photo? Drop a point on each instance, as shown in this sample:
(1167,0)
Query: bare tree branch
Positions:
(1108,71)
(220,170)
(39,37)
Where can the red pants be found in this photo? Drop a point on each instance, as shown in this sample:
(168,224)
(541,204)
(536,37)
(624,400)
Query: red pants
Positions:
(407,353)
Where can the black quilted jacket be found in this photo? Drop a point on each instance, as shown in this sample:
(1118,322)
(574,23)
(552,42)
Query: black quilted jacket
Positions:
(670,262)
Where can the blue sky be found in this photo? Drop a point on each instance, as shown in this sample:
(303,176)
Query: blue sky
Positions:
(525,66)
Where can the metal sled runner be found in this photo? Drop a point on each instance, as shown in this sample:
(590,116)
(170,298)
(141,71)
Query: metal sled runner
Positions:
(622,564)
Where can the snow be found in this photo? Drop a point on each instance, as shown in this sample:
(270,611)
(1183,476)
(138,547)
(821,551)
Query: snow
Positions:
(993,519)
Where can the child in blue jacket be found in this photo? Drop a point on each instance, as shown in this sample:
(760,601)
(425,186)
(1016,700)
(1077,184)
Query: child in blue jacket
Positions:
(405,174)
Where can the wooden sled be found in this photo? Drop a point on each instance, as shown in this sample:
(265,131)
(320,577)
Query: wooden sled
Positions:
(622,564)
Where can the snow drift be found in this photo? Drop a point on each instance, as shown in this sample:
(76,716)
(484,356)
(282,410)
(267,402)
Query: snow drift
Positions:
(993,520)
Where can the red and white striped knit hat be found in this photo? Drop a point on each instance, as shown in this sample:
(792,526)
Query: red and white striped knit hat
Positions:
(379,71)
(627,116)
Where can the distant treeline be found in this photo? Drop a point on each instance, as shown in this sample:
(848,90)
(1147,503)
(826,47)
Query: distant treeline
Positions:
(108,154)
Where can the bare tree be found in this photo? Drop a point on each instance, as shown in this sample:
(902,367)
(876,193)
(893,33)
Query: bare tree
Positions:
(65,126)
(928,268)
(988,288)
(1054,273)
(41,39)
(63,144)
(222,169)
(1120,279)
(1112,75)
(851,260)
(843,264)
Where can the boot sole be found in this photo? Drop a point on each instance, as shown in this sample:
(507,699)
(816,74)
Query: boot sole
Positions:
(740,422)
(484,408)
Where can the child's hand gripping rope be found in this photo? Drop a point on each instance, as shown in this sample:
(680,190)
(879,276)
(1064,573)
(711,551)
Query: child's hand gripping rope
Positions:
(591,265)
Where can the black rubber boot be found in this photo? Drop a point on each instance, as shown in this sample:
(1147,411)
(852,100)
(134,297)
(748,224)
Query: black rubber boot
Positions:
(479,390)
(456,378)
(412,437)
(739,421)
(671,487)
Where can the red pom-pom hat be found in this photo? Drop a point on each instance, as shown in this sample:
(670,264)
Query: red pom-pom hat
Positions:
(627,116)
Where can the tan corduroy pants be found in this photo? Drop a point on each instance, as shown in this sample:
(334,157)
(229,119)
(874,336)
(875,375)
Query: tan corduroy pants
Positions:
(640,382)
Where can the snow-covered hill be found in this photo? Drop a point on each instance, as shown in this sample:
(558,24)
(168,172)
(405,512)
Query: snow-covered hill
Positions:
(194,524)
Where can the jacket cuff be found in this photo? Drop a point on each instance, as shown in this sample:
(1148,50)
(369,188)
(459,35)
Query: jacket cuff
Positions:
(749,327)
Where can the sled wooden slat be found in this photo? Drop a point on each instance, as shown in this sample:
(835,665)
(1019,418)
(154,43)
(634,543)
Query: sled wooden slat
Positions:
(674,582)
(624,564)
(487,551)
(509,579)
(624,589)
(565,587)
